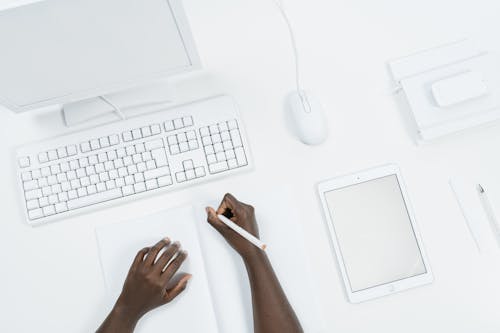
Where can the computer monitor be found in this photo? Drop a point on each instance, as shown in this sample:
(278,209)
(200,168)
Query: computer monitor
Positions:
(63,51)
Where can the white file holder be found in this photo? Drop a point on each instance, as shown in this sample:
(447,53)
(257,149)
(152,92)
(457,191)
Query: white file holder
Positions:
(449,88)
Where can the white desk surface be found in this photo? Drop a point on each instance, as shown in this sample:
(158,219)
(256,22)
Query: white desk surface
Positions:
(50,277)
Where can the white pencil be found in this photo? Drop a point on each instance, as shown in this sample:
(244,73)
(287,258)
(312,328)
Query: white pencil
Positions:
(489,211)
(245,234)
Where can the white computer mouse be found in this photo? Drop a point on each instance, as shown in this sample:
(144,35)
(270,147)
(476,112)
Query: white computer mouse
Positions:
(308,117)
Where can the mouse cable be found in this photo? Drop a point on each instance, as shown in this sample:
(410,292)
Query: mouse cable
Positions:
(293,40)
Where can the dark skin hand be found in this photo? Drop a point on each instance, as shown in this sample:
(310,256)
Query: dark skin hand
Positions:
(150,284)
(272,312)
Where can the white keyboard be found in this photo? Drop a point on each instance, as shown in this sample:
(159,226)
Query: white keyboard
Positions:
(129,159)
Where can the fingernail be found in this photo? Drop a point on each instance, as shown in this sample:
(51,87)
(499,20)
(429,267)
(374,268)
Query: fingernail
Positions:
(189,276)
(166,239)
(185,253)
(176,243)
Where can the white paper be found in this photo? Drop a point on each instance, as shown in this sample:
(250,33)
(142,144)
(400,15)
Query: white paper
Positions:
(280,228)
(192,311)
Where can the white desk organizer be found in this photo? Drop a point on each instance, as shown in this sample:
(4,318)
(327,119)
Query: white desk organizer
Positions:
(449,88)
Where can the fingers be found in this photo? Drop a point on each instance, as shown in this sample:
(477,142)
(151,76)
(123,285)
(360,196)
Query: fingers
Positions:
(228,202)
(174,266)
(140,257)
(177,289)
(214,220)
(166,256)
(153,252)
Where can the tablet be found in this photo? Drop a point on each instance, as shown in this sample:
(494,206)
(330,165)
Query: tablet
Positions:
(374,233)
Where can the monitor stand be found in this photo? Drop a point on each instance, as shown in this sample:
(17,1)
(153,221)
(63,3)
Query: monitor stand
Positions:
(113,107)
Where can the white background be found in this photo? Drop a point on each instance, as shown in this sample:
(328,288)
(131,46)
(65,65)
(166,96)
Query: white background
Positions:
(50,276)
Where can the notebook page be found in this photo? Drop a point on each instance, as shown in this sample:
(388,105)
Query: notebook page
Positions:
(120,242)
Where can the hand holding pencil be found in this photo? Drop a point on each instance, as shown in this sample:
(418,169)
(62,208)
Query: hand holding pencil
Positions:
(244,241)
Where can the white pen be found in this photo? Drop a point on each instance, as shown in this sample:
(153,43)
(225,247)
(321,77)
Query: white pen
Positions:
(488,208)
(245,234)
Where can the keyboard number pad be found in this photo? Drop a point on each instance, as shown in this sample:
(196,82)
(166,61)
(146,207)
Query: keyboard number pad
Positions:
(223,146)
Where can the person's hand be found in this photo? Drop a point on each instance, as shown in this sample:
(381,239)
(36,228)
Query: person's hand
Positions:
(150,283)
(241,214)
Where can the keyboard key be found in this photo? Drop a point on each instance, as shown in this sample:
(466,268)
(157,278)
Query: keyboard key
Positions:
(150,165)
(155,173)
(139,187)
(183,147)
(214,129)
(172,140)
(61,207)
(218,167)
(151,184)
(211,158)
(200,172)
(204,131)
(139,148)
(25,176)
(45,171)
(43,157)
(24,162)
(62,152)
(49,210)
(151,145)
(72,151)
(188,121)
(104,142)
(227,145)
(146,131)
(225,136)
(178,123)
(85,147)
(46,191)
(181,177)
(235,136)
(174,150)
(35,214)
(160,157)
(230,154)
(94,199)
(52,155)
(188,164)
(114,140)
(216,138)
(32,204)
(30,185)
(43,202)
(232,124)
(55,169)
(193,144)
(223,127)
(240,156)
(128,190)
(181,137)
(190,174)
(72,194)
(136,134)
(127,136)
(164,181)
(35,174)
(94,145)
(42,182)
(155,129)
(169,126)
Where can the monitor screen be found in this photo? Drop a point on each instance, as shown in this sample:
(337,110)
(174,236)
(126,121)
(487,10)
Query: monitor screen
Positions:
(374,233)
(66,50)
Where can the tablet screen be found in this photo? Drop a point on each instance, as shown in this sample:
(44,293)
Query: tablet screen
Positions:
(374,233)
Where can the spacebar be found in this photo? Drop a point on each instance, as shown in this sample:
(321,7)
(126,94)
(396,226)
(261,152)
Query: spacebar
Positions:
(94,199)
